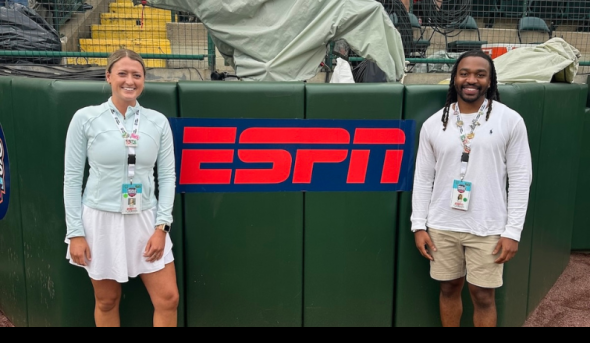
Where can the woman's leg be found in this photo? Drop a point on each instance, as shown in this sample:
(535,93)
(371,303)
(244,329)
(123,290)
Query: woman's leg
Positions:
(107,295)
(163,291)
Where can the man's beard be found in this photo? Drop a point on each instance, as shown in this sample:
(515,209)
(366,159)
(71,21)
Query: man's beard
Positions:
(482,94)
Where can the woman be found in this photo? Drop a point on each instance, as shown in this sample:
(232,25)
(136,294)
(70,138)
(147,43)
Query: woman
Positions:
(109,235)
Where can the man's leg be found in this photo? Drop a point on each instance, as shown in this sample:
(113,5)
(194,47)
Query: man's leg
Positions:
(484,303)
(451,305)
(484,276)
(448,268)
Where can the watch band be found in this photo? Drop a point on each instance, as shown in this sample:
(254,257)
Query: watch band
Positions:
(163,227)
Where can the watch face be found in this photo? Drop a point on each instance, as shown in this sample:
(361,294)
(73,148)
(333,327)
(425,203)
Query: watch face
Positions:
(167,228)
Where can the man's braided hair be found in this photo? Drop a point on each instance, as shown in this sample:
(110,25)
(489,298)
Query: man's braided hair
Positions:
(492,93)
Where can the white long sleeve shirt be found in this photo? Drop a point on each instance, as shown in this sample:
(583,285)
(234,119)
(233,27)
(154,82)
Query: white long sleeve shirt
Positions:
(94,136)
(499,153)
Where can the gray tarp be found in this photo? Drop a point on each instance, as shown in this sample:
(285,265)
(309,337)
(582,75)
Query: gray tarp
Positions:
(286,40)
(541,63)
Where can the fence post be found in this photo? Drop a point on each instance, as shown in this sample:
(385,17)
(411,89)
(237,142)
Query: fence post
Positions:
(211,55)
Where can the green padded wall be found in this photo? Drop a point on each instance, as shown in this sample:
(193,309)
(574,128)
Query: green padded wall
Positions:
(244,256)
(60,295)
(563,120)
(581,234)
(512,299)
(350,236)
(13,297)
(416,297)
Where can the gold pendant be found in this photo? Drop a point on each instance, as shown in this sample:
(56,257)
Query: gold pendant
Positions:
(471,135)
(459,123)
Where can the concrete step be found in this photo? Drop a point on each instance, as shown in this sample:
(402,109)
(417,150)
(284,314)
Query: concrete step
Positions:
(109,18)
(115,32)
(102,62)
(148,46)
(136,10)
(129,23)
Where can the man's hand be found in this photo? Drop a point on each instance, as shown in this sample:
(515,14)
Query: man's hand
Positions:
(423,241)
(80,251)
(508,247)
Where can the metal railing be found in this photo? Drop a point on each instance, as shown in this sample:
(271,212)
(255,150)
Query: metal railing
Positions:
(434,33)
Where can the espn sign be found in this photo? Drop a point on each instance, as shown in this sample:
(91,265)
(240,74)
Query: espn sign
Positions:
(290,155)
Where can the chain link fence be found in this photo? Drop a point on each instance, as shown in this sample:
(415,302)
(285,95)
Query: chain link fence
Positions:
(84,32)
(440,30)
(73,33)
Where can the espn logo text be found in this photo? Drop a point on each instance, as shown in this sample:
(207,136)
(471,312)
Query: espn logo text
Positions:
(292,157)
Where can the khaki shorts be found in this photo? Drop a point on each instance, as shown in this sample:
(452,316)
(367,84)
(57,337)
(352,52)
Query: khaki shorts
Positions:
(463,254)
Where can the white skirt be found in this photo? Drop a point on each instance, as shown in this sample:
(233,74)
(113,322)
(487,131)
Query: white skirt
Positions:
(117,243)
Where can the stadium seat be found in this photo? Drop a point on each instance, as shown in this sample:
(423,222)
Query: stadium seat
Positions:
(485,9)
(468,29)
(420,44)
(577,10)
(513,8)
(394,19)
(533,30)
(550,11)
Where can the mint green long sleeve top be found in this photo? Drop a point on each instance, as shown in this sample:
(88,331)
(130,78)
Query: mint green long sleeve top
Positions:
(94,136)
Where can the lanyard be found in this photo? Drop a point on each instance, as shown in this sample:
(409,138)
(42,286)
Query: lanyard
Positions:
(466,138)
(130,142)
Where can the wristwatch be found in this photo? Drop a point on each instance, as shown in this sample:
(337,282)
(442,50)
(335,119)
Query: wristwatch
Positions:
(163,227)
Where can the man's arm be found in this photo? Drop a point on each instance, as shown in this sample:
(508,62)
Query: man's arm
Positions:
(519,168)
(423,182)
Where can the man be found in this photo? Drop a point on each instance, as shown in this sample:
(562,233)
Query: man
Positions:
(479,149)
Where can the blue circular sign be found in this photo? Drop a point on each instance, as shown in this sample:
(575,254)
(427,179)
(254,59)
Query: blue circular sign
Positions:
(4,176)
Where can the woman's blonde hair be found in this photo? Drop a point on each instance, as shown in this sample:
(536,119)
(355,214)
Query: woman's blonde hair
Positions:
(122,53)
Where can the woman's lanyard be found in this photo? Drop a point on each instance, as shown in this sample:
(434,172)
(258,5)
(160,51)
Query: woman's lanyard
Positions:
(130,142)
(467,138)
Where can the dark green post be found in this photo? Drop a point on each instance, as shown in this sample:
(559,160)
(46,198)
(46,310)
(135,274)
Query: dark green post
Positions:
(211,53)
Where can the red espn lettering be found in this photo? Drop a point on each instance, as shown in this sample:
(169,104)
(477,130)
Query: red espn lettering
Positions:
(192,174)
(279,173)
(281,160)
(295,136)
(209,135)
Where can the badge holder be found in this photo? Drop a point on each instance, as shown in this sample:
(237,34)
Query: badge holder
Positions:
(461,194)
(131,198)
(131,194)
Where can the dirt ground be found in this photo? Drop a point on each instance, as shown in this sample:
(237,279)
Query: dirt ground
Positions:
(4,322)
(568,302)
(566,305)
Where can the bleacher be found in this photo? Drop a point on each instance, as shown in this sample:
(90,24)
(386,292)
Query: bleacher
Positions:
(500,22)
(128,26)
(556,13)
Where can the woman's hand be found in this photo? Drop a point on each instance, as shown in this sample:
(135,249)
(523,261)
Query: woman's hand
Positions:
(80,251)
(154,251)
